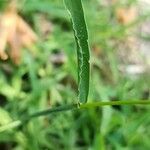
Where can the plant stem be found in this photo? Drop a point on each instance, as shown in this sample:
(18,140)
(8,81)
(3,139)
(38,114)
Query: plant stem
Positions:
(86,105)
(54,110)
(24,120)
(71,107)
(111,103)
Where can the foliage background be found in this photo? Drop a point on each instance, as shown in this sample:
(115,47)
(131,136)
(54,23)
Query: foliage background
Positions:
(47,77)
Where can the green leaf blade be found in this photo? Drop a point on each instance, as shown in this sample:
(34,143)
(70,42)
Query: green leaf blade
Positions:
(81,36)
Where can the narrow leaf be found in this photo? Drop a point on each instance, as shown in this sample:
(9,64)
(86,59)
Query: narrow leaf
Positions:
(75,10)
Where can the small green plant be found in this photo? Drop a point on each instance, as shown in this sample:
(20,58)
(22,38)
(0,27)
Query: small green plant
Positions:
(75,10)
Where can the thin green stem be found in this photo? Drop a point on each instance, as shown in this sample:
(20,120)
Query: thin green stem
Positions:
(71,107)
(48,111)
(53,110)
(86,105)
(111,103)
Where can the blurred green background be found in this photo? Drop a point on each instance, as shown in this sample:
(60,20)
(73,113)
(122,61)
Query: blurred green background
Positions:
(47,77)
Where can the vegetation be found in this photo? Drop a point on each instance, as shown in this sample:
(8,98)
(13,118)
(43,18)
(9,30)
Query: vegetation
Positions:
(46,77)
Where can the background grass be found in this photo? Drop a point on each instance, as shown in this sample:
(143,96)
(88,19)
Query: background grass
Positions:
(39,82)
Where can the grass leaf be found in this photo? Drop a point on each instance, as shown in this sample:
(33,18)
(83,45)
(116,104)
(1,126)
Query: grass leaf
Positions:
(81,36)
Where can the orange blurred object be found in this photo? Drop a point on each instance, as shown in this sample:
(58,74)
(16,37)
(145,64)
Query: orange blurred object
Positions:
(126,15)
(15,32)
